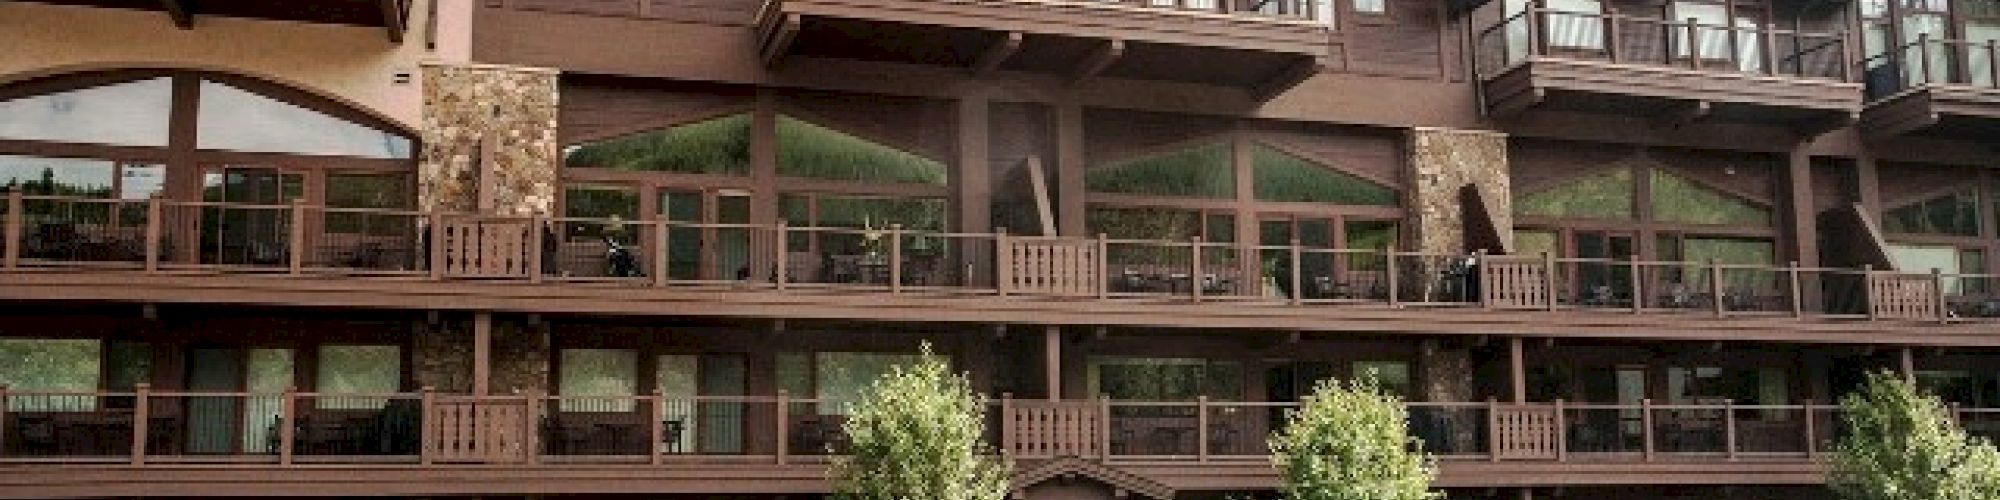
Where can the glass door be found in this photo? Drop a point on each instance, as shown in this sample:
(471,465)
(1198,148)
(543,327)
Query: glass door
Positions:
(212,420)
(1602,277)
(695,249)
(253,229)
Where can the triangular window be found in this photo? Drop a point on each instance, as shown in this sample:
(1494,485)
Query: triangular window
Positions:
(1679,200)
(1954,213)
(124,114)
(234,119)
(1283,177)
(813,151)
(714,146)
(1199,172)
(1606,195)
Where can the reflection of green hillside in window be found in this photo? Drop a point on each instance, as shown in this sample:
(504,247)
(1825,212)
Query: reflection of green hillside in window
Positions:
(717,146)
(1606,195)
(1955,213)
(808,150)
(1145,224)
(1283,177)
(922,214)
(1201,172)
(1677,199)
(50,365)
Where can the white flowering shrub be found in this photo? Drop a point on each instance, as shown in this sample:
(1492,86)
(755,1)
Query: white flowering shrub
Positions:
(1352,442)
(1900,444)
(915,435)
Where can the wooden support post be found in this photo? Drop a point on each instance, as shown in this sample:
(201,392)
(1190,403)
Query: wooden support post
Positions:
(656,427)
(783,425)
(537,232)
(1485,284)
(1729,428)
(1395,295)
(1638,277)
(1993,63)
(1201,428)
(1646,420)
(1694,43)
(153,214)
(1909,365)
(1298,276)
(1715,288)
(141,407)
(428,451)
(660,251)
(1003,261)
(437,262)
(1195,279)
(783,274)
(1103,267)
(1007,426)
(1924,56)
(1812,444)
(1868,290)
(1052,359)
(288,428)
(1798,290)
(533,416)
(3,411)
(296,239)
(15,217)
(895,259)
(1562,432)
(482,353)
(1548,281)
(1104,429)
(1937,304)
(1611,34)
(1493,429)
(1517,369)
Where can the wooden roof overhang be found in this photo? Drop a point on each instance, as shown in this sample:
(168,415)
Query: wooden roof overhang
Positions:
(391,15)
(1672,97)
(1939,111)
(1070,39)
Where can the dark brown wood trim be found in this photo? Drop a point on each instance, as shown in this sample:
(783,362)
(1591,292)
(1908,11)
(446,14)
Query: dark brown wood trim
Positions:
(179,11)
(997,54)
(1100,59)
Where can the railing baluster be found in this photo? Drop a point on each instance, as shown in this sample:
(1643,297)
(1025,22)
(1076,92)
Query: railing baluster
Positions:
(895,259)
(782,272)
(1715,288)
(437,244)
(141,401)
(152,243)
(1003,263)
(1395,295)
(1798,291)
(297,238)
(15,207)
(1195,280)
(430,434)
(1298,280)
(783,415)
(1729,428)
(1812,444)
(657,427)
(1201,428)
(1646,421)
(288,415)
(1493,429)
(660,258)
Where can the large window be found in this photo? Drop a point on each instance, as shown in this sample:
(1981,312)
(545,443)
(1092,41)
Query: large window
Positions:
(1201,171)
(599,380)
(132,113)
(235,119)
(1955,213)
(813,151)
(1164,379)
(361,370)
(837,378)
(716,146)
(1284,177)
(51,365)
(1607,195)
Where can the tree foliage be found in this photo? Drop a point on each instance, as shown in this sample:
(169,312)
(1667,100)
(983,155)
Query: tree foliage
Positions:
(1903,445)
(1351,441)
(915,434)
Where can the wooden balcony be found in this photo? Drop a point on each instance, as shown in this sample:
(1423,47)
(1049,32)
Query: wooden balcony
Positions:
(1543,59)
(157,251)
(164,441)
(392,16)
(1934,88)
(1216,42)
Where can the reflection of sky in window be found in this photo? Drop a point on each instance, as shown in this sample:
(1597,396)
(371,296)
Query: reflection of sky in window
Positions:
(142,181)
(127,114)
(237,120)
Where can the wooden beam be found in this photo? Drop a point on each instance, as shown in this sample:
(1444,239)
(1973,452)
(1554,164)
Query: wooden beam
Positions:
(180,12)
(395,19)
(1038,182)
(1099,60)
(1812,129)
(1052,361)
(1517,103)
(997,54)
(1517,369)
(1289,78)
(778,42)
(482,353)
(1687,113)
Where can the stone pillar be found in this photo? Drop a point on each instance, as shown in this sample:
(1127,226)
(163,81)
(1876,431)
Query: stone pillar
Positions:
(441,356)
(503,114)
(1441,162)
(521,354)
(1445,372)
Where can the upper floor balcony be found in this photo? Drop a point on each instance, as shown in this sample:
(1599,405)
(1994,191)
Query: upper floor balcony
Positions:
(1263,46)
(1675,71)
(153,250)
(392,16)
(1934,87)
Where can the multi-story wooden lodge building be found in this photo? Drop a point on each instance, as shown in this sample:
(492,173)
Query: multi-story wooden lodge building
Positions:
(1626,249)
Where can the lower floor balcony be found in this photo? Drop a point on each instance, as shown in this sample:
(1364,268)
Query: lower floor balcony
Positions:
(785,442)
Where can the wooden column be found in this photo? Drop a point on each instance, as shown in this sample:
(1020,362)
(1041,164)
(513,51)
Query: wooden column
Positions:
(764,176)
(1805,223)
(1868,182)
(1908,366)
(1249,263)
(1069,167)
(482,353)
(972,185)
(1517,369)
(183,175)
(1052,360)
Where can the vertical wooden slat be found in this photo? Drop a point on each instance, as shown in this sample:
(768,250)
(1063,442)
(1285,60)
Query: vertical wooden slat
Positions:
(437,244)
(1004,253)
(1646,420)
(427,452)
(141,408)
(14,220)
(783,426)
(296,238)
(288,419)
(152,243)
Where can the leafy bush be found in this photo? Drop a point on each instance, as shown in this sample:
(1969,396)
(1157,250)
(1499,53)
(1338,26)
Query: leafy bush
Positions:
(1902,445)
(916,436)
(1352,441)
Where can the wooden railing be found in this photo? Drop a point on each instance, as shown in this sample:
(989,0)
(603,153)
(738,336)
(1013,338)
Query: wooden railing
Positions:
(396,247)
(1626,39)
(1930,60)
(145,427)
(741,11)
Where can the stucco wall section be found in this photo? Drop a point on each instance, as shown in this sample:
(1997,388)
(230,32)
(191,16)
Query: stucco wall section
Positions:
(350,64)
(1443,161)
(465,104)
